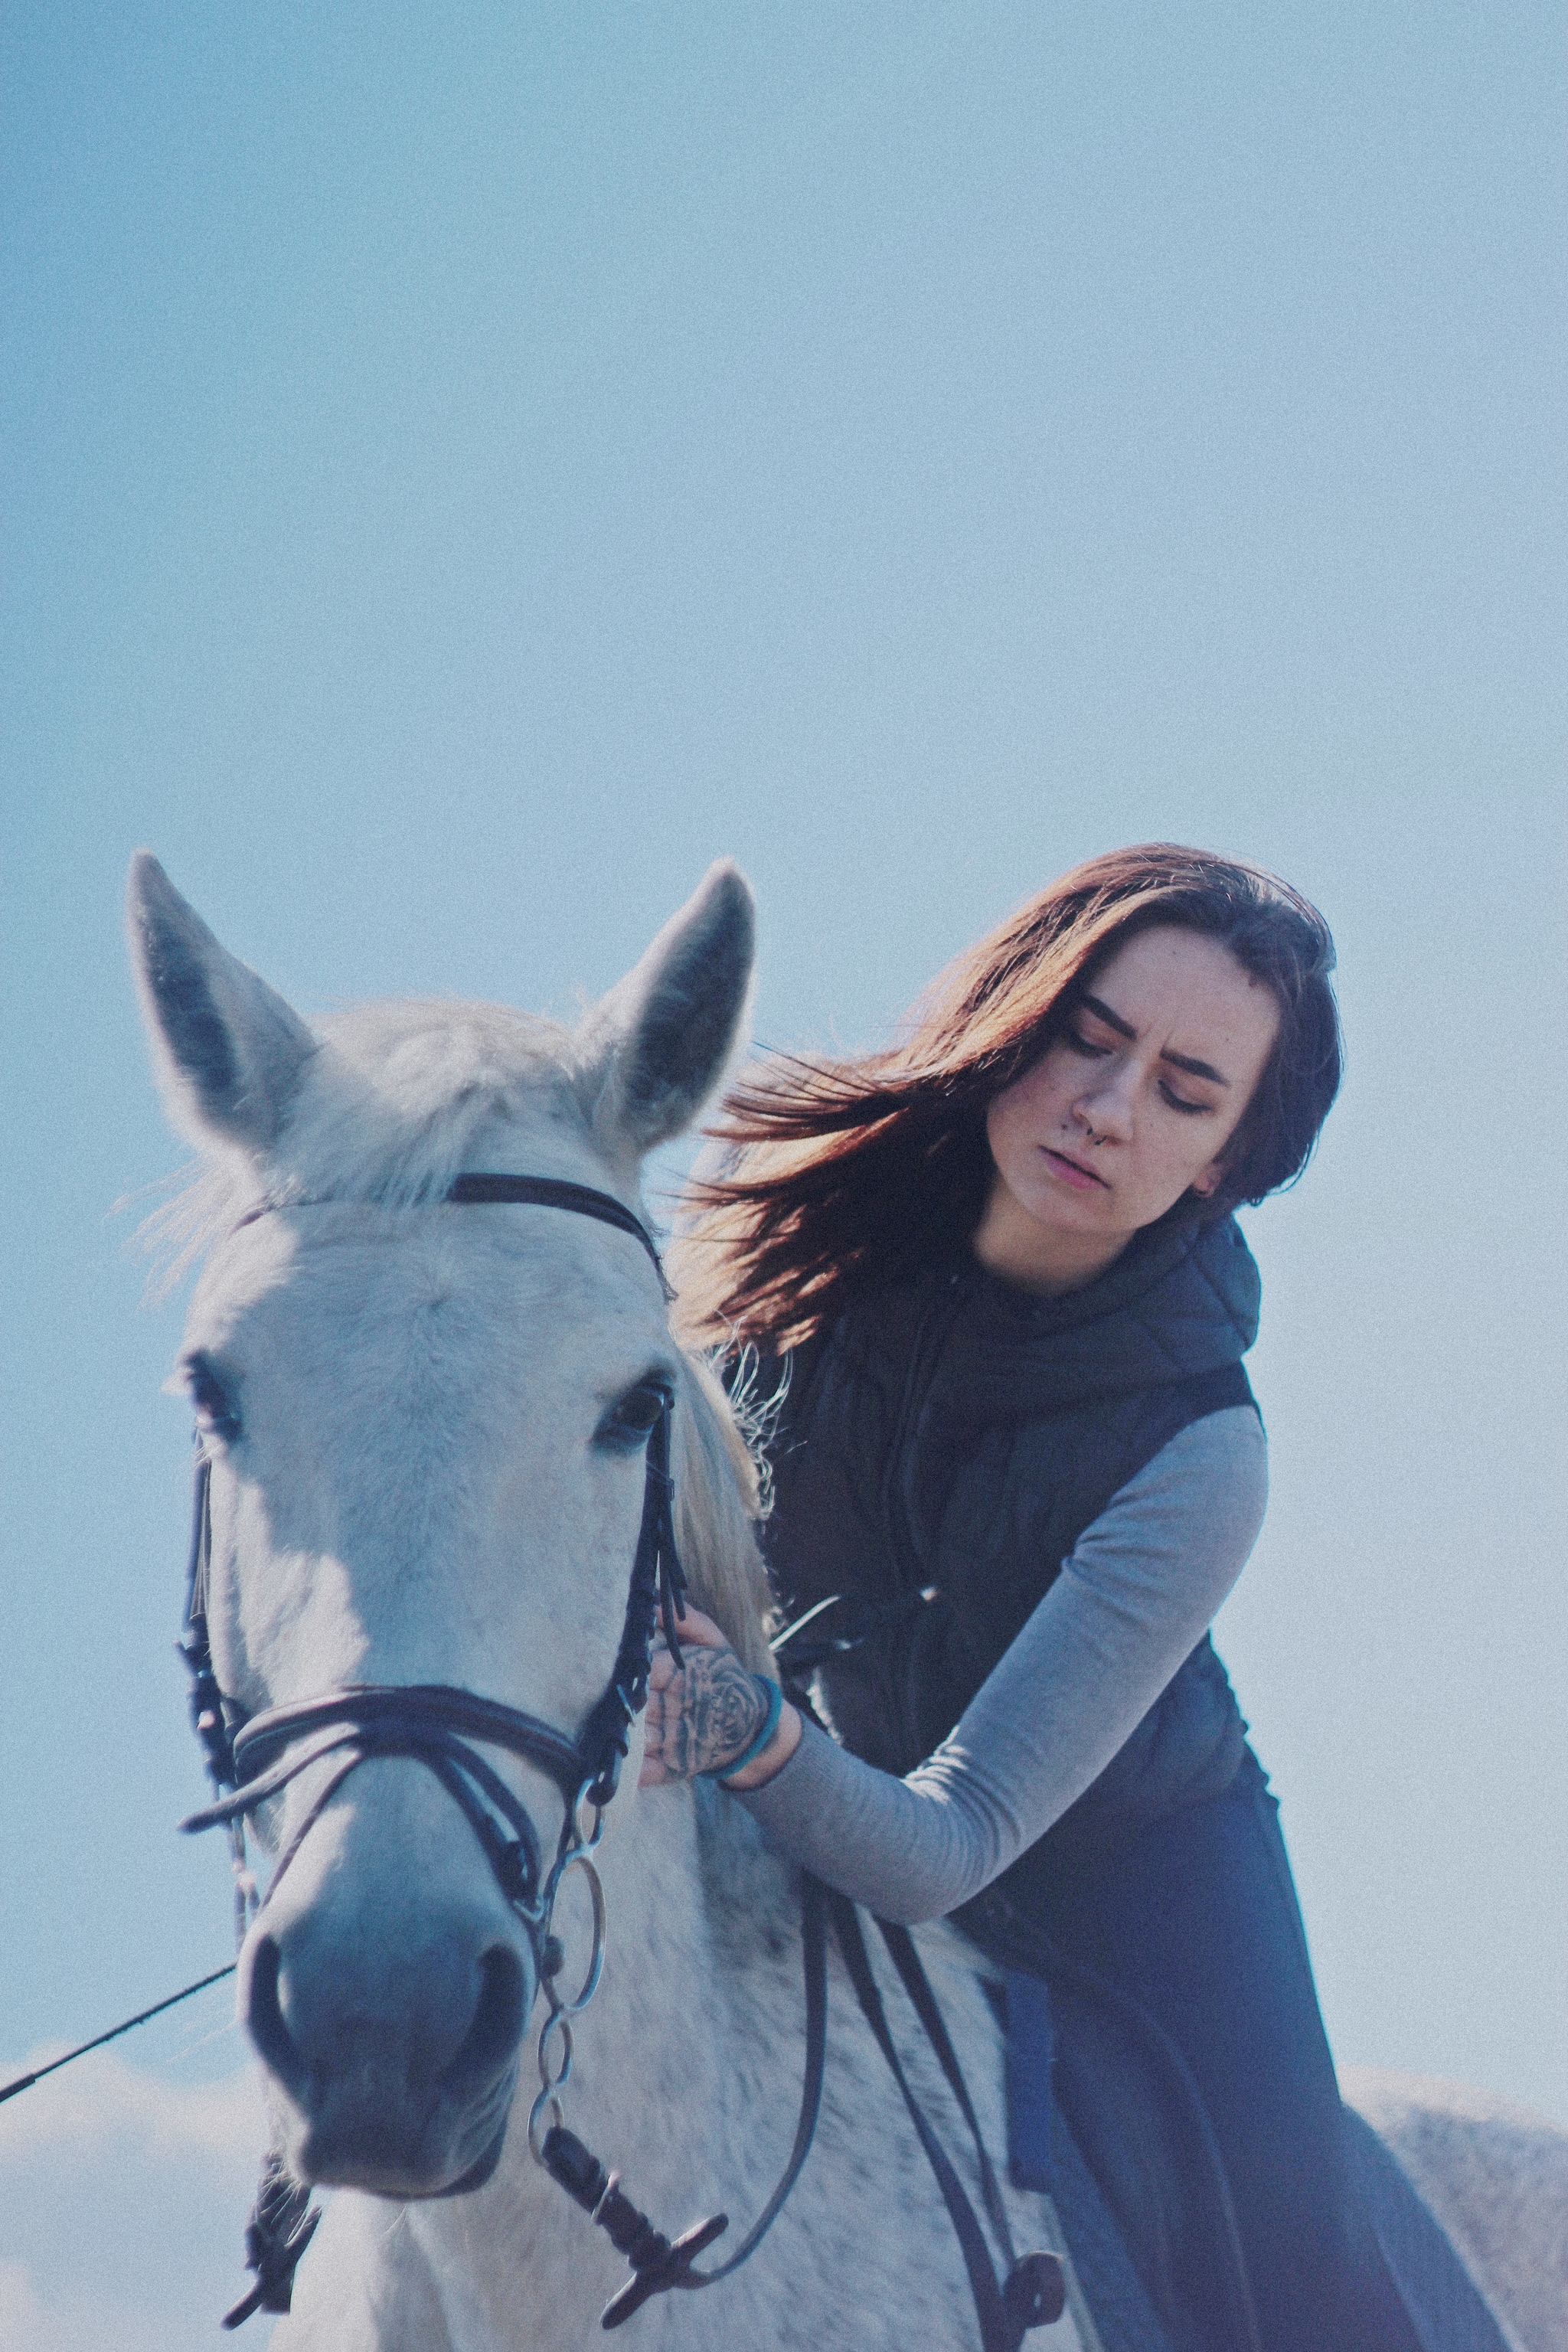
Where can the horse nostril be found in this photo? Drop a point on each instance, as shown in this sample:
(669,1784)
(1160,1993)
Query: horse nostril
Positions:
(496,2026)
(264,2015)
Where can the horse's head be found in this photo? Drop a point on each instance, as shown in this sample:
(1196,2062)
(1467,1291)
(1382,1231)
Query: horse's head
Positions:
(426,1425)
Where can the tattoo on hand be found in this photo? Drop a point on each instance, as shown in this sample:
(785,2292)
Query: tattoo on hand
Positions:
(723,1710)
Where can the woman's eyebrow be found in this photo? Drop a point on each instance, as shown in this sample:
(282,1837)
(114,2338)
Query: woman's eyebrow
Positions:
(1102,1012)
(1198,1069)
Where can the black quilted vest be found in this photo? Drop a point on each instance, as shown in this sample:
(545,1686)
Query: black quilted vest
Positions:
(943,1446)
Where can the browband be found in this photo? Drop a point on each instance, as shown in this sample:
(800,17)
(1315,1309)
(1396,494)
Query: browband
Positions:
(482,1189)
(554,1192)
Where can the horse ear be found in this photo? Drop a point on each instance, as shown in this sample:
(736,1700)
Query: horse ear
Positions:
(227,1050)
(664,1036)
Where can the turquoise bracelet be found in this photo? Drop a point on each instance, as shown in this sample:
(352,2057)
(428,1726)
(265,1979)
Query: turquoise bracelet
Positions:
(722,1773)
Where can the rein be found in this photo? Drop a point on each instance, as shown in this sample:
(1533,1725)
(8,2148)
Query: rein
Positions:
(250,1760)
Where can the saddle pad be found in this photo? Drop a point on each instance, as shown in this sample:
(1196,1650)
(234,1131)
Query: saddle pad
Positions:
(1042,2155)
(1445,2305)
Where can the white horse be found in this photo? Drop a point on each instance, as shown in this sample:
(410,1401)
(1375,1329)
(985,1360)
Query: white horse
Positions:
(427,1471)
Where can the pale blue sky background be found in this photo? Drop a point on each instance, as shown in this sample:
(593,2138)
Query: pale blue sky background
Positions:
(468,468)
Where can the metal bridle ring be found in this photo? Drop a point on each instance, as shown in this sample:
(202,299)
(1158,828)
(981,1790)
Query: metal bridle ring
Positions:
(584,1860)
(584,1842)
(561,2018)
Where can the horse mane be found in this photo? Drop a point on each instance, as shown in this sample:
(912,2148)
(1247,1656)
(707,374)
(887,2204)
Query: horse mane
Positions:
(717,1502)
(387,1111)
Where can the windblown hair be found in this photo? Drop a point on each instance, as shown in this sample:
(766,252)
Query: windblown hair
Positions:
(837,1177)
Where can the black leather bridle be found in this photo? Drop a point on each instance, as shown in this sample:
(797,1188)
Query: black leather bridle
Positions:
(250,1760)
(432,1722)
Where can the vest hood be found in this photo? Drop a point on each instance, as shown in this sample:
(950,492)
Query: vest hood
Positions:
(1182,1298)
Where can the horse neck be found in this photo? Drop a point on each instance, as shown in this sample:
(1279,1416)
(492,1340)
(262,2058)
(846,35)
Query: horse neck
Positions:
(693,1903)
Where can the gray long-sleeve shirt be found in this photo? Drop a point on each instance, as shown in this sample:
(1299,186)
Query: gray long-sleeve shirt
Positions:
(1137,1593)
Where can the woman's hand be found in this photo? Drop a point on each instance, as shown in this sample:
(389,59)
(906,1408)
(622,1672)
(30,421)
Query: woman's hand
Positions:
(706,1710)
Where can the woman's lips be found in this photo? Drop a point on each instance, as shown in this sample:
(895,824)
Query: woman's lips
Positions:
(1082,1180)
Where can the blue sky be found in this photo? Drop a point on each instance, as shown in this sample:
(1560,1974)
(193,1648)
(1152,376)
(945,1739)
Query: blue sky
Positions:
(467,469)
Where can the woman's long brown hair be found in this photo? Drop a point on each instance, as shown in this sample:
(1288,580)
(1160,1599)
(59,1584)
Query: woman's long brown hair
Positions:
(841,1176)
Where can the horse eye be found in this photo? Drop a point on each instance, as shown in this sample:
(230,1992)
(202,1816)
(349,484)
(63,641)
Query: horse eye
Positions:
(632,1417)
(215,1414)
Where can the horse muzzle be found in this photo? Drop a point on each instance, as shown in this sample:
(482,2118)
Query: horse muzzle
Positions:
(391,2058)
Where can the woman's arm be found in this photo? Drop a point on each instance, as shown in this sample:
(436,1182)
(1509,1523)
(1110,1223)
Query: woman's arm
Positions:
(1135,1596)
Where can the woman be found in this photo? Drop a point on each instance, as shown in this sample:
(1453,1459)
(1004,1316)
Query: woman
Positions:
(1017,1442)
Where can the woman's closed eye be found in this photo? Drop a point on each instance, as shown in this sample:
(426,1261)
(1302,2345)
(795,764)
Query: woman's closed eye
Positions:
(1180,1102)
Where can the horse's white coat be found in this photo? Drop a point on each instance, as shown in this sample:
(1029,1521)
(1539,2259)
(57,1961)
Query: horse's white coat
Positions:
(416,1498)
(1495,2176)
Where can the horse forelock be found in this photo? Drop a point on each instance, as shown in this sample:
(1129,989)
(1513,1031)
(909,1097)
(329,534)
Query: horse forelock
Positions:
(387,1111)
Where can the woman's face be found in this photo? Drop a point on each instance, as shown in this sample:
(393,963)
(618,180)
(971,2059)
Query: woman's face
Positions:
(1128,1110)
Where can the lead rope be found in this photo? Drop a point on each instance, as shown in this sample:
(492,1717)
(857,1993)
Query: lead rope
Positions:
(25,2082)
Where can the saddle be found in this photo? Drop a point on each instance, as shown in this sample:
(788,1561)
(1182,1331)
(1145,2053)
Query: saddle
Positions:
(1104,2116)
